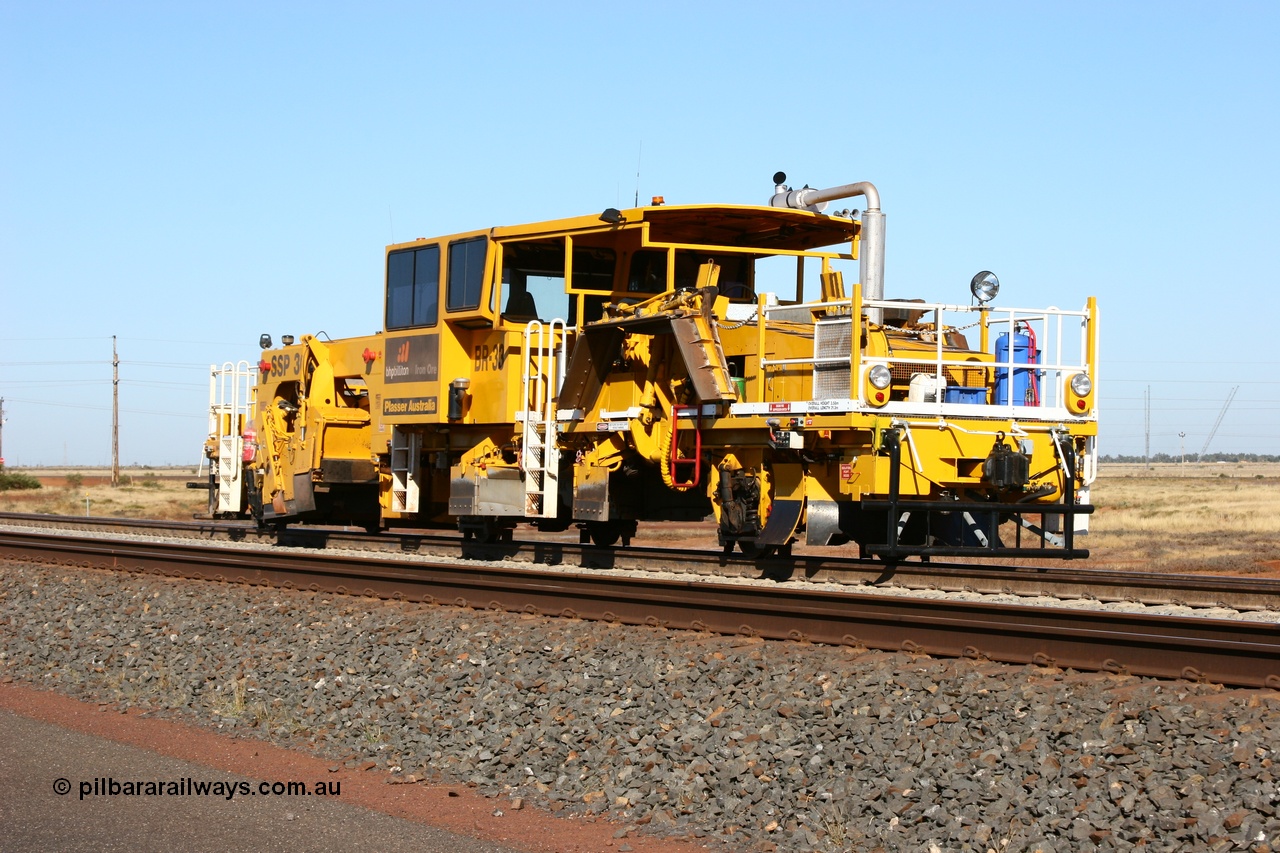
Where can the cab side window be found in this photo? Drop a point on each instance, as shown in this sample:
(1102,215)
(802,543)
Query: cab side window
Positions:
(648,272)
(533,281)
(736,278)
(413,287)
(466,273)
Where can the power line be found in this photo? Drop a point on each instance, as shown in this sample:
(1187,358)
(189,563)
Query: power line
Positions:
(176,365)
(47,363)
(149,383)
(61,338)
(241,343)
(1166,361)
(187,365)
(1110,380)
(43,382)
(197,415)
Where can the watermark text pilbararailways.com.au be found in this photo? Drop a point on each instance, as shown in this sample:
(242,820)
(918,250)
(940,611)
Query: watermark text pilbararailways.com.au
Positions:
(108,786)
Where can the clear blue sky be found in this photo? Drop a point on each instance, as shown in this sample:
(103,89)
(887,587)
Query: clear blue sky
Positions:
(188,176)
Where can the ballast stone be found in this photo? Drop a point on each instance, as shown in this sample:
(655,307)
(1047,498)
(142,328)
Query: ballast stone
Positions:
(874,749)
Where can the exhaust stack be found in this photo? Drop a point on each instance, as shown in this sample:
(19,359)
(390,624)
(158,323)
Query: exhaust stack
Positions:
(871,253)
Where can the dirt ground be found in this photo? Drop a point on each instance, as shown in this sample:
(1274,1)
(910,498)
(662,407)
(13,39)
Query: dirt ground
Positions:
(1215,518)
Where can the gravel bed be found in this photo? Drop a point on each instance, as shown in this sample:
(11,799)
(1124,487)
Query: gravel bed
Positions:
(750,745)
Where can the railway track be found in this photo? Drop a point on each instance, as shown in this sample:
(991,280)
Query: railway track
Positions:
(1054,581)
(1229,651)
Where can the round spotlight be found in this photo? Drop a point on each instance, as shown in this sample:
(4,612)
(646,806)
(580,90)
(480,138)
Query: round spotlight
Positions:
(1081,384)
(984,286)
(879,376)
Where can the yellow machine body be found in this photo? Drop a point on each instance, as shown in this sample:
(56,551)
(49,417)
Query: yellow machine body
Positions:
(681,362)
(314,442)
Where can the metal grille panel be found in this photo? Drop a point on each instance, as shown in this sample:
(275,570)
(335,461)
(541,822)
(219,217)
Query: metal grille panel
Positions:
(832,339)
(973,377)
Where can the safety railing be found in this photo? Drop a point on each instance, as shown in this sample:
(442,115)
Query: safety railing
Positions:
(231,389)
(1019,367)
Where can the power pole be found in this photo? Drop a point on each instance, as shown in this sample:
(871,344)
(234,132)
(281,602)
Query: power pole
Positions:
(1146,454)
(1,432)
(115,414)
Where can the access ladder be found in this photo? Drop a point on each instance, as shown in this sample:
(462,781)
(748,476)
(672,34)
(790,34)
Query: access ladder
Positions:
(540,380)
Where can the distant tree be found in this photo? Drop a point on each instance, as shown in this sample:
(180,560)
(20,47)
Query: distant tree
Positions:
(1192,457)
(10,481)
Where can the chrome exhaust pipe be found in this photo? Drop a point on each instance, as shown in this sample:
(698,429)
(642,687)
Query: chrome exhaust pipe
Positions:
(871,250)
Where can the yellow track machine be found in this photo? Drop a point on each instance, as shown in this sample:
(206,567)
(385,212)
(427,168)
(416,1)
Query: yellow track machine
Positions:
(681,362)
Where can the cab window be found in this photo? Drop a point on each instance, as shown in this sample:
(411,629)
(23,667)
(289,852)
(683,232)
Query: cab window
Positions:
(466,274)
(593,268)
(533,281)
(413,287)
(648,272)
(736,279)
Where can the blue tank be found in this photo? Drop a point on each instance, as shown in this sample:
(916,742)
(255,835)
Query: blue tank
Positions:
(1022,377)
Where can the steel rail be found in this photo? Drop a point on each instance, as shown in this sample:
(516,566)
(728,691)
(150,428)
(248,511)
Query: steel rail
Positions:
(1224,651)
(1106,585)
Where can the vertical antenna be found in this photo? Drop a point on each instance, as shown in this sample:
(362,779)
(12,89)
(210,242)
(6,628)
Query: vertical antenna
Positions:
(638,154)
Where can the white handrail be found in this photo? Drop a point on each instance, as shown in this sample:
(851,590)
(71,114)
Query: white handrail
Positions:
(1046,327)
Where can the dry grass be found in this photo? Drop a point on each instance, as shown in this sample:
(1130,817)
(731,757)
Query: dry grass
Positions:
(150,493)
(1219,518)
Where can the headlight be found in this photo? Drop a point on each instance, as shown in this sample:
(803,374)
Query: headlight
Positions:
(984,286)
(879,376)
(1079,394)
